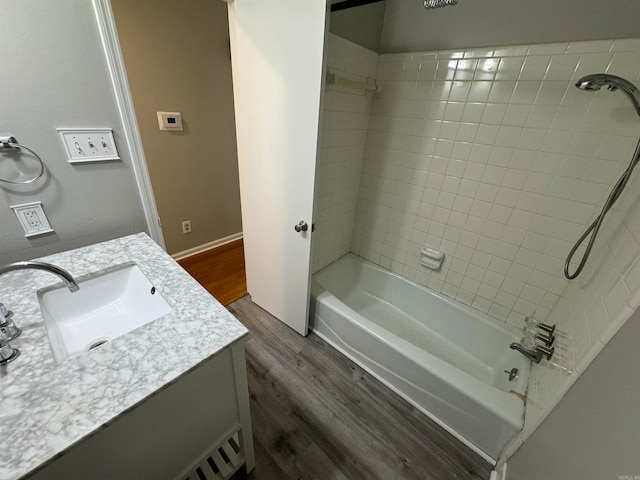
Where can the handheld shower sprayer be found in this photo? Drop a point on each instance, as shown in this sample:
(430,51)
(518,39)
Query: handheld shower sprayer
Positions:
(593,83)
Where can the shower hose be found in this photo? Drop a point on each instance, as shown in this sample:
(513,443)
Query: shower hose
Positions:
(595,226)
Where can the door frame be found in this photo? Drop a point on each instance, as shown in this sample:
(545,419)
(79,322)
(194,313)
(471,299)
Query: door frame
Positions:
(109,35)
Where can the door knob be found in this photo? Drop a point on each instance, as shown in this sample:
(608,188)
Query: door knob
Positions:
(301,226)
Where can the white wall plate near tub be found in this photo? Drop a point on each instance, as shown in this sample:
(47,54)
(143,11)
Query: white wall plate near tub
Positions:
(85,145)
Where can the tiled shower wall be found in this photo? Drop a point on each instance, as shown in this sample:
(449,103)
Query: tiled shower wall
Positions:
(343,135)
(495,158)
(594,306)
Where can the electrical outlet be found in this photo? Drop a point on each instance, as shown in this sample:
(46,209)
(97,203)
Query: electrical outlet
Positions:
(89,145)
(186,226)
(32,218)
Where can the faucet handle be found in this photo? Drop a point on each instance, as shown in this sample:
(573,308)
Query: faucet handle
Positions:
(6,323)
(7,352)
(550,329)
(546,351)
(546,339)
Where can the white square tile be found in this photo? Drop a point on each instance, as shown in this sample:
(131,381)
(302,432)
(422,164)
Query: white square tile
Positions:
(526,91)
(535,67)
(562,67)
(590,46)
(501,91)
(548,48)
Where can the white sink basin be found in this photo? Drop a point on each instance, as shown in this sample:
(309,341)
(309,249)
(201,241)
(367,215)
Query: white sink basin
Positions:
(107,306)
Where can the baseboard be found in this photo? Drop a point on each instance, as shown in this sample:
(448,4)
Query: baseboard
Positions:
(207,246)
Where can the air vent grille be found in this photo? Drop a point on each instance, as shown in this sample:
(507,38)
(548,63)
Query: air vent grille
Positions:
(220,463)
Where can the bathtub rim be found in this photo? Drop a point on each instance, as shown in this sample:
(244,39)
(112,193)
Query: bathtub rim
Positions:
(319,292)
(484,317)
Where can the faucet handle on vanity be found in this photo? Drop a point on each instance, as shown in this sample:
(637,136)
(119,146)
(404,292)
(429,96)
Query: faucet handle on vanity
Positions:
(6,323)
(7,352)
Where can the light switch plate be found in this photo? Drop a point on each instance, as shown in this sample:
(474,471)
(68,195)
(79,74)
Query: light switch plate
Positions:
(32,219)
(89,144)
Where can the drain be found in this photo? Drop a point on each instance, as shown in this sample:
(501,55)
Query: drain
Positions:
(97,344)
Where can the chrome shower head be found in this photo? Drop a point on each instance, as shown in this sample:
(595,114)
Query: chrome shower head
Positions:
(593,82)
(438,3)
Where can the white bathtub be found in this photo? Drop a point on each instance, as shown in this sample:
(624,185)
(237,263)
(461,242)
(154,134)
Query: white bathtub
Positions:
(445,358)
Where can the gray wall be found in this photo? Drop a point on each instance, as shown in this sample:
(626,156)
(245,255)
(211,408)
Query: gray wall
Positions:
(361,25)
(593,432)
(54,74)
(408,26)
(177,58)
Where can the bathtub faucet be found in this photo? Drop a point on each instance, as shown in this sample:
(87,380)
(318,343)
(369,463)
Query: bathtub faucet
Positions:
(533,354)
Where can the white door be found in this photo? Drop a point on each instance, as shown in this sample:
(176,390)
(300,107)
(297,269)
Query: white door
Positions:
(277,58)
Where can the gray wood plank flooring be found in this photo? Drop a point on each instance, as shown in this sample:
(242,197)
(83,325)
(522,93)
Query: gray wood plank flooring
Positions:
(316,415)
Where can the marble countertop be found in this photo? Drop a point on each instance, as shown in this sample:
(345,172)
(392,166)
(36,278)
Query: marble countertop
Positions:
(46,407)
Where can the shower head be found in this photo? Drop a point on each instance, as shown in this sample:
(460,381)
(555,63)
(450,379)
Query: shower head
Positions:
(438,3)
(593,82)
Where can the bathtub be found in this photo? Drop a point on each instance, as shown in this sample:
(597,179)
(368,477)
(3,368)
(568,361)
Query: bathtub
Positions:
(446,359)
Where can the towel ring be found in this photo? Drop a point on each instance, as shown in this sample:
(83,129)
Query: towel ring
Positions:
(11,144)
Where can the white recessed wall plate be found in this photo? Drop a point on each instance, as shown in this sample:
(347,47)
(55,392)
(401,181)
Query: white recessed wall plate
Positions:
(170,121)
(85,145)
(32,219)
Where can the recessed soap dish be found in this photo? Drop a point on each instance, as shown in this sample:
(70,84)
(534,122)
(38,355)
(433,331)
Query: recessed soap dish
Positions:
(431,258)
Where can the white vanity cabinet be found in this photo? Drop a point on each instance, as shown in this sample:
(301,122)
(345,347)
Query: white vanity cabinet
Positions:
(199,421)
(155,403)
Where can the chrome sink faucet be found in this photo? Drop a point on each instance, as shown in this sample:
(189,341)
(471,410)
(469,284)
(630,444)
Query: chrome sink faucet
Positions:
(8,329)
(60,272)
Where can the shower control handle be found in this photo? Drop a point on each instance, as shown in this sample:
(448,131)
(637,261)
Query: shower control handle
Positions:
(301,226)
(546,351)
(547,339)
(550,329)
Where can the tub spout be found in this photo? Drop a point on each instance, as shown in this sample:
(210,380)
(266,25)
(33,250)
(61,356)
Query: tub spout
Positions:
(531,354)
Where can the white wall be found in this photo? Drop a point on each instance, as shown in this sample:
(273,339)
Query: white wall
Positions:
(55,75)
(409,27)
(343,134)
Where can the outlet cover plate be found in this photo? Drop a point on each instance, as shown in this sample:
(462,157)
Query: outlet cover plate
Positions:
(86,145)
(32,219)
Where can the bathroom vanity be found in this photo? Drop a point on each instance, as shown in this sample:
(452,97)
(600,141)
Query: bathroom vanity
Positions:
(164,401)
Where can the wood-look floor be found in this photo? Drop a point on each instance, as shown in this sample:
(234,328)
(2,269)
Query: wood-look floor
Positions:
(316,415)
(220,270)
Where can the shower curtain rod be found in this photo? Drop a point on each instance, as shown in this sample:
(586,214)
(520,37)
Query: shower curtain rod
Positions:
(336,7)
